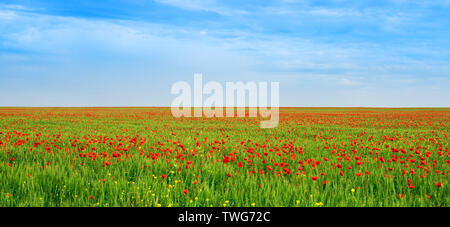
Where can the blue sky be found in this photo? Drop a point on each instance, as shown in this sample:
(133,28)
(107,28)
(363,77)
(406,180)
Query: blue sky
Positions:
(390,53)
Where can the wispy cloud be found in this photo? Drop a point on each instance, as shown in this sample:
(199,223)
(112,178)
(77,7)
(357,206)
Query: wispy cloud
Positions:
(204,5)
(348,82)
(7,15)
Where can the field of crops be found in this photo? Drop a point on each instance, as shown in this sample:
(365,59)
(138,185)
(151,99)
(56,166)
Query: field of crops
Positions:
(145,157)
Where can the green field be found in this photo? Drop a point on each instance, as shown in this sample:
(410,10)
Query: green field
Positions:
(145,157)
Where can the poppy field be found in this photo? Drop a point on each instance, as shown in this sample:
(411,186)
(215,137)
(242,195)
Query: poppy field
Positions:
(145,157)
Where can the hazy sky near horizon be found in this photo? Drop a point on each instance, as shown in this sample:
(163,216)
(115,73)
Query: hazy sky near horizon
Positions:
(388,53)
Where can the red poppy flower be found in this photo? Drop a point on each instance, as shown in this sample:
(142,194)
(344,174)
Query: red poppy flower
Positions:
(438,184)
(163,176)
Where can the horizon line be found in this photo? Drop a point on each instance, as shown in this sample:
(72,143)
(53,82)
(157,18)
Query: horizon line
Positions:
(368,107)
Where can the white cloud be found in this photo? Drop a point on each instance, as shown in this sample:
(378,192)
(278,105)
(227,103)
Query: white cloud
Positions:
(336,12)
(7,15)
(348,82)
(203,5)
(15,7)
